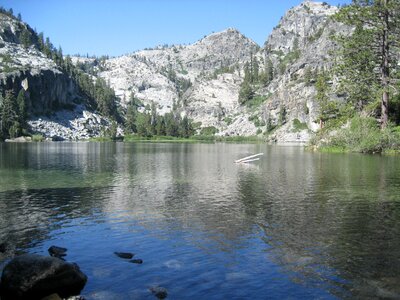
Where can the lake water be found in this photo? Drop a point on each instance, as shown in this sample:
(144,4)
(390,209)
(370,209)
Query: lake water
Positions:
(294,225)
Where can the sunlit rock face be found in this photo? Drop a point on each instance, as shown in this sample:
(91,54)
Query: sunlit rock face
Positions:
(201,80)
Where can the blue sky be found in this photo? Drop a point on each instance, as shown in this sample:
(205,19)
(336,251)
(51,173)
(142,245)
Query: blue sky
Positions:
(116,27)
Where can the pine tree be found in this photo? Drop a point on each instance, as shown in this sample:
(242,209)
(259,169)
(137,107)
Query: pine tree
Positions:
(9,126)
(25,37)
(246,93)
(160,126)
(22,109)
(171,128)
(143,125)
(130,118)
(186,129)
(380,20)
(327,108)
(256,71)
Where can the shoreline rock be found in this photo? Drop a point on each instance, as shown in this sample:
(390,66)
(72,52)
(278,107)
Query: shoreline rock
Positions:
(32,277)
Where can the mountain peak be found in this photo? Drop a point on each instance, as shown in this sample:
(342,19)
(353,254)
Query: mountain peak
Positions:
(318,8)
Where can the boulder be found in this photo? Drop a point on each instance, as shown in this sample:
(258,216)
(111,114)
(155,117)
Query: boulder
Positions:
(159,292)
(124,255)
(3,247)
(32,276)
(136,261)
(57,251)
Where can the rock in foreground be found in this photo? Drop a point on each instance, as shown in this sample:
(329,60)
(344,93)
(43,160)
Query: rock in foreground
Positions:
(33,277)
(159,292)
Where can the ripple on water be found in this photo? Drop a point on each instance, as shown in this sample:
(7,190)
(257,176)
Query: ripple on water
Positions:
(295,225)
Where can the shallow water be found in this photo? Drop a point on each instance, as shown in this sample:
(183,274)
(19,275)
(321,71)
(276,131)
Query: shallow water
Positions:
(294,225)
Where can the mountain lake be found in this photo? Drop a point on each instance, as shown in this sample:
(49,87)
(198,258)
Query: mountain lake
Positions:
(293,225)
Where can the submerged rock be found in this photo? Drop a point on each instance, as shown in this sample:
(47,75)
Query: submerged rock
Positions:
(136,261)
(3,247)
(56,251)
(159,292)
(32,276)
(124,255)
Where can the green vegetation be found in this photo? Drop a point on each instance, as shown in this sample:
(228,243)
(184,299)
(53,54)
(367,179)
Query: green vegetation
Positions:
(192,139)
(253,78)
(209,131)
(37,138)
(364,135)
(13,115)
(98,94)
(149,123)
(372,47)
(298,126)
(368,73)
(181,84)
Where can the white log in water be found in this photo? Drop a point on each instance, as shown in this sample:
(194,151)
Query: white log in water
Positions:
(249,158)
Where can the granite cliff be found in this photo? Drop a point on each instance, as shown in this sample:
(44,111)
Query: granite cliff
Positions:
(202,80)
(55,105)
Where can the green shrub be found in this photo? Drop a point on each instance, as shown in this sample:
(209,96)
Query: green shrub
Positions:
(37,138)
(298,126)
(228,120)
(365,136)
(210,130)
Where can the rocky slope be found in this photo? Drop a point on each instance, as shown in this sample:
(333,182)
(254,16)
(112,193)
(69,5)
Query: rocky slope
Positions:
(300,43)
(202,79)
(51,95)
(157,75)
(46,86)
(306,29)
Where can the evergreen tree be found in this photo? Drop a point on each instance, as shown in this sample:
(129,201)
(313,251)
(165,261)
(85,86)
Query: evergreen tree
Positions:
(22,109)
(171,128)
(130,118)
(143,124)
(246,92)
(327,108)
(256,70)
(356,68)
(160,126)
(25,37)
(153,119)
(268,75)
(380,20)
(10,126)
(186,129)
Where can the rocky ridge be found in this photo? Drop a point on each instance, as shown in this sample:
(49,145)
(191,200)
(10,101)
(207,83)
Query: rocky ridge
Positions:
(306,29)
(215,67)
(202,79)
(52,97)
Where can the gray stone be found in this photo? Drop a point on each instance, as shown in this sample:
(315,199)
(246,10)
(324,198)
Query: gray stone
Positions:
(136,261)
(124,255)
(33,277)
(57,251)
(159,292)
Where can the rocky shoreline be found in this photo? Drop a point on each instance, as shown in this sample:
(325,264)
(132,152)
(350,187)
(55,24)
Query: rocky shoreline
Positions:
(39,277)
(77,124)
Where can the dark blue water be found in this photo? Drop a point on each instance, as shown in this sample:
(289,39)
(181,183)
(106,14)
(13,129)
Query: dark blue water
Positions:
(294,225)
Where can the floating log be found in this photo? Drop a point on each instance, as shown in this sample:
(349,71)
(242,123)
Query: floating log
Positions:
(248,158)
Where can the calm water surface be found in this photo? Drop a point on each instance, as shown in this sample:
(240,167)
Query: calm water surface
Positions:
(295,225)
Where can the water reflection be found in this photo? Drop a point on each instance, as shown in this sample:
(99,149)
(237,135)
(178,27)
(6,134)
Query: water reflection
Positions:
(309,225)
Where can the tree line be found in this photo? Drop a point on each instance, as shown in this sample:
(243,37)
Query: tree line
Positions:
(13,114)
(146,122)
(254,76)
